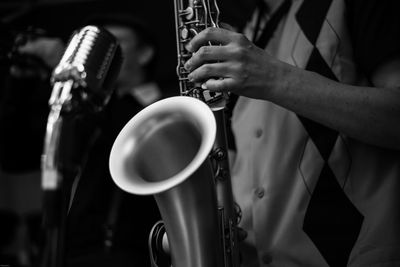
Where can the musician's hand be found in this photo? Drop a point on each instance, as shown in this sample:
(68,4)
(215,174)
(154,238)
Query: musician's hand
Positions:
(244,68)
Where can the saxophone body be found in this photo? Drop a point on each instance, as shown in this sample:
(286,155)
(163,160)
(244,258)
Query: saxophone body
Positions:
(191,17)
(176,150)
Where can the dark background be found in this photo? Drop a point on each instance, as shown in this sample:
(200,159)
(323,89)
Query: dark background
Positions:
(22,126)
(23,104)
(61,17)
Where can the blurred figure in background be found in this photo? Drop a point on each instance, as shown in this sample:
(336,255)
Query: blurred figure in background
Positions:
(105,226)
(25,90)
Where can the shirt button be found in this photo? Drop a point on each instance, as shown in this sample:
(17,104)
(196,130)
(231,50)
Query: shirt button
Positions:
(266,258)
(259,192)
(259,133)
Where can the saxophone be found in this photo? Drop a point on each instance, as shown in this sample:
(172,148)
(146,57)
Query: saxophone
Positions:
(185,136)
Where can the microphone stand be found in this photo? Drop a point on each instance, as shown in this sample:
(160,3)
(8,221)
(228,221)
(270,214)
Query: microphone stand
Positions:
(53,180)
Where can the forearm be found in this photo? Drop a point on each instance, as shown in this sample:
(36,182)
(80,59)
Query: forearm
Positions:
(369,114)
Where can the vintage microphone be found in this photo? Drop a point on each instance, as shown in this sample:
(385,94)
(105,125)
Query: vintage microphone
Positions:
(82,83)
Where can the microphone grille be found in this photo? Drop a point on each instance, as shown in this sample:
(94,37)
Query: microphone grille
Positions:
(88,58)
(91,61)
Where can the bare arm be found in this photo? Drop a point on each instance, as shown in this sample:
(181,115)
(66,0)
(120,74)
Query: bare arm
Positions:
(369,114)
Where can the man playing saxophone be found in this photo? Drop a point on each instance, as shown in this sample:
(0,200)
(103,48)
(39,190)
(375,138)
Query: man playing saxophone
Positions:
(317,166)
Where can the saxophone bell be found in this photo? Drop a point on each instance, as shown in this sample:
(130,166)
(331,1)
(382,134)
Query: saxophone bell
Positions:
(164,151)
(176,150)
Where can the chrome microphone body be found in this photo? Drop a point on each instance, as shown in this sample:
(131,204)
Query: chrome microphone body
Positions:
(82,82)
(85,74)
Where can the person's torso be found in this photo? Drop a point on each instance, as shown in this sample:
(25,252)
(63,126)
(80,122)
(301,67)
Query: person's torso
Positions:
(278,165)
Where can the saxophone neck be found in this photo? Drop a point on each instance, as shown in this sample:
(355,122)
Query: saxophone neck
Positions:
(191,17)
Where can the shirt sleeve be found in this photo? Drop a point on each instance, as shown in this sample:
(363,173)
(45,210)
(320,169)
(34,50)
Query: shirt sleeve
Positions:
(375,30)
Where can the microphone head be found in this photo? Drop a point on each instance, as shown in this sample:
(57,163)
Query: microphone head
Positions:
(91,61)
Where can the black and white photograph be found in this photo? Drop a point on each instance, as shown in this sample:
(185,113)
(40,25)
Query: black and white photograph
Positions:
(200,133)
